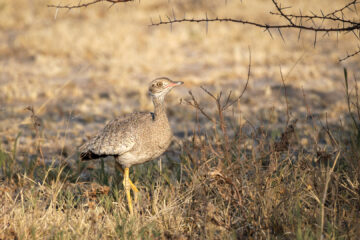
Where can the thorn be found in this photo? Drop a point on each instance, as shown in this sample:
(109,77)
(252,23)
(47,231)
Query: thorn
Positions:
(281,35)
(325,33)
(169,19)
(312,20)
(173,14)
(355,34)
(355,9)
(337,37)
(207,24)
(56,13)
(270,33)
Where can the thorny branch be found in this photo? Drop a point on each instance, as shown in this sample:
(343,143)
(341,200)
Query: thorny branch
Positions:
(335,21)
(81,5)
(261,25)
(345,26)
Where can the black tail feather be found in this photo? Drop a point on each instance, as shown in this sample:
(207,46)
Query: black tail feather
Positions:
(89,155)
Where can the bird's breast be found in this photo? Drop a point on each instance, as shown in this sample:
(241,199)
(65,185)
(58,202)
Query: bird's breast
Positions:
(151,142)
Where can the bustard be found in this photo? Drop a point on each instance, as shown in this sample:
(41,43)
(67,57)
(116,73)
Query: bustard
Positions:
(134,138)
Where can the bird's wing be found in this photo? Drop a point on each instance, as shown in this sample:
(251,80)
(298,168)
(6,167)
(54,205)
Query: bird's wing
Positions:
(116,138)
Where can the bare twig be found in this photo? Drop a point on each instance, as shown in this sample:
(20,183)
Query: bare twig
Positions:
(301,22)
(316,17)
(347,6)
(286,98)
(348,99)
(280,10)
(349,55)
(196,105)
(84,5)
(261,25)
(230,103)
(36,124)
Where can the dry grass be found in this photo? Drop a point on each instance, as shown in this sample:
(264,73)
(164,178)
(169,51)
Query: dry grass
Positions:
(223,186)
(251,171)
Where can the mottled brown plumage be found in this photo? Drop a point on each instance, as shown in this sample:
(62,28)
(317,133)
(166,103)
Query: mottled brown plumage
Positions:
(135,138)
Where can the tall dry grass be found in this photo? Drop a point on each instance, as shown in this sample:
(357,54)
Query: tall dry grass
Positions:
(232,181)
(227,178)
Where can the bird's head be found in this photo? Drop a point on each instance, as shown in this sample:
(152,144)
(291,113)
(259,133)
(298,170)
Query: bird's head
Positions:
(159,87)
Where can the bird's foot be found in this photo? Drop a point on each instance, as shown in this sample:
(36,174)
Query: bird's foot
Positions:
(135,191)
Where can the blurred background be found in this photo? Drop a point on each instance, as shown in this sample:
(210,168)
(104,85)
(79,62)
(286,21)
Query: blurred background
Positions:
(256,175)
(80,68)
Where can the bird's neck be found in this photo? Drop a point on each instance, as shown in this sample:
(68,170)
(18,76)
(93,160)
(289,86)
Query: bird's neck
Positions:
(159,108)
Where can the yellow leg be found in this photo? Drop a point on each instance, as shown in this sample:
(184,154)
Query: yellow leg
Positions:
(126,183)
(133,187)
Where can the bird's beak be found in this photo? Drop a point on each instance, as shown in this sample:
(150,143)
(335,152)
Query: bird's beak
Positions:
(174,84)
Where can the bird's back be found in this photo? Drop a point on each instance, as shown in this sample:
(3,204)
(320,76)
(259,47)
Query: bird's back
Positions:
(117,137)
(133,139)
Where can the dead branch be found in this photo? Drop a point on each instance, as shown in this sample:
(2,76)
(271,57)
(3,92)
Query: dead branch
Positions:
(286,98)
(84,5)
(349,55)
(228,103)
(334,21)
(352,27)
(196,105)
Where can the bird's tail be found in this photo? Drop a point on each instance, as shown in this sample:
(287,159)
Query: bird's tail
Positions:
(89,155)
(86,154)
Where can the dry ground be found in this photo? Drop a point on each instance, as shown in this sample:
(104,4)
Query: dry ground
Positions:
(80,68)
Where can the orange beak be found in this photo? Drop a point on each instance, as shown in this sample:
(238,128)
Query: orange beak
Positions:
(175,84)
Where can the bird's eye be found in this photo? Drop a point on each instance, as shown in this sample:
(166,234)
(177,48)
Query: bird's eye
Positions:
(159,84)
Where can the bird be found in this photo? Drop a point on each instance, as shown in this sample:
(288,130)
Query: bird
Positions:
(134,138)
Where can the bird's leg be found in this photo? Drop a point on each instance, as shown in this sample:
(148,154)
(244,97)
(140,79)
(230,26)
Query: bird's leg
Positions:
(133,187)
(126,183)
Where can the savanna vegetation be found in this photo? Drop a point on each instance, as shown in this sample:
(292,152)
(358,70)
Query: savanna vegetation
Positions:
(266,128)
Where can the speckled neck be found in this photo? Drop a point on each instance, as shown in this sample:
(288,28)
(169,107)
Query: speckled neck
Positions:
(159,108)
